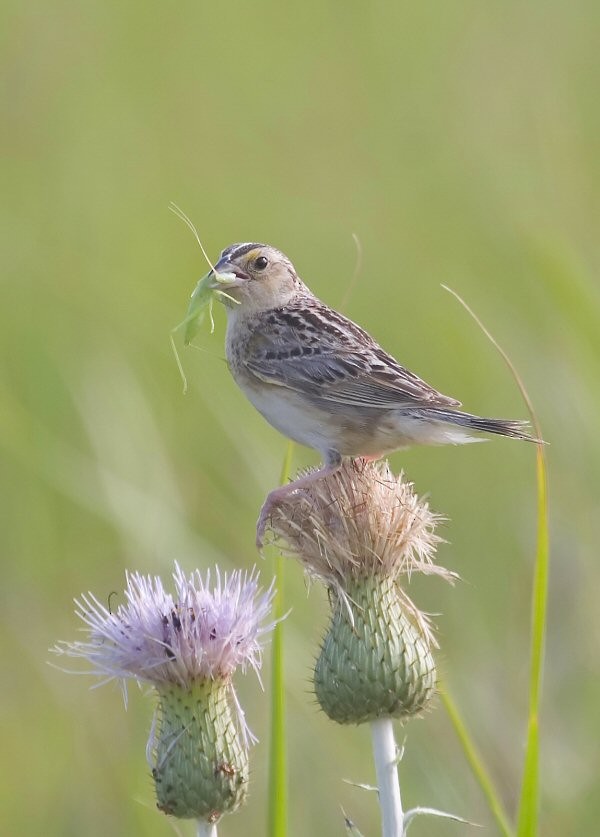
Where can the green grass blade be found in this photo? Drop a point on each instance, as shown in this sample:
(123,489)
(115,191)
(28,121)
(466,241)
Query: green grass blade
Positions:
(529,800)
(477,766)
(528,816)
(277,755)
(277,813)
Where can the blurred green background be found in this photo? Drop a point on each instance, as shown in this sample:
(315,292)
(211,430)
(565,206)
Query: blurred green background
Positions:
(460,143)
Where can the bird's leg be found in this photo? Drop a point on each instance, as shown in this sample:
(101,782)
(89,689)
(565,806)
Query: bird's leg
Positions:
(372,457)
(333,462)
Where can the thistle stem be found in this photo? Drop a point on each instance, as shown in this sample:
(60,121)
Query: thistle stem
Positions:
(386,769)
(206,829)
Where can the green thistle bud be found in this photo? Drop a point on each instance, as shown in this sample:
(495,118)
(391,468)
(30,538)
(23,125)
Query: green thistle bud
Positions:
(375,661)
(201,765)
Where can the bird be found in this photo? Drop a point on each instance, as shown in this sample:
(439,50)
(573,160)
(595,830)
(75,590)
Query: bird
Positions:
(321,379)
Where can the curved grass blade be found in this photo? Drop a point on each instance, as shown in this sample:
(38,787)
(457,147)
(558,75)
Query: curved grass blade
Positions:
(478,768)
(529,801)
(528,815)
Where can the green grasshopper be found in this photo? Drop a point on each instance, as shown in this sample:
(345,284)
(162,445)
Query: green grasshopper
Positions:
(201,301)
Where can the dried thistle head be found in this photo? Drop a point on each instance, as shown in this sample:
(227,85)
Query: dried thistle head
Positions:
(361,520)
(358,531)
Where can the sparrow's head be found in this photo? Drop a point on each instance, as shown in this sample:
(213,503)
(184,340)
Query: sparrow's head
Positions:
(257,276)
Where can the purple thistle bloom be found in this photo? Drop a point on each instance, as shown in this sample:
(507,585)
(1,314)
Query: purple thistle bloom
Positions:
(187,645)
(160,638)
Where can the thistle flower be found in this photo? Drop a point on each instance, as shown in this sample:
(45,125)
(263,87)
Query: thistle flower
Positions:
(187,646)
(359,531)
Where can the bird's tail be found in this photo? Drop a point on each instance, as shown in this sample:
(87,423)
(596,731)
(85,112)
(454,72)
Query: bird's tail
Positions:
(502,427)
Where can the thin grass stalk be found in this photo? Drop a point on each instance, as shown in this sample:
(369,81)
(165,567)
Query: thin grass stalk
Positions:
(478,768)
(528,815)
(529,799)
(277,810)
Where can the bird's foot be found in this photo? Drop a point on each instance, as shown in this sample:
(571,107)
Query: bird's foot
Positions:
(273,499)
(261,523)
(283,492)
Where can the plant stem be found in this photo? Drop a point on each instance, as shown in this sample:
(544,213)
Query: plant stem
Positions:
(206,829)
(277,813)
(528,819)
(386,769)
(528,824)
(277,797)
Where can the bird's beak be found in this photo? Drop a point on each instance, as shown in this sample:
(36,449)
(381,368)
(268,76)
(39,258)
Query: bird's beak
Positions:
(226,275)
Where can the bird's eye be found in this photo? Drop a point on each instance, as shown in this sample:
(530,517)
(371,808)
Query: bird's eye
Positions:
(261,262)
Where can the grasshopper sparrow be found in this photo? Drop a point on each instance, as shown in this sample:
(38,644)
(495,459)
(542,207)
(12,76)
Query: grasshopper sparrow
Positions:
(323,381)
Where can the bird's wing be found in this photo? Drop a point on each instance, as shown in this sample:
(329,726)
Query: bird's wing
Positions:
(325,356)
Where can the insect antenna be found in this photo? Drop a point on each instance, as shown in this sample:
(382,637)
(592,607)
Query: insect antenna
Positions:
(176,210)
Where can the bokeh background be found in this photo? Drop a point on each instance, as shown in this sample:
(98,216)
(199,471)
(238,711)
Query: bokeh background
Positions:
(460,143)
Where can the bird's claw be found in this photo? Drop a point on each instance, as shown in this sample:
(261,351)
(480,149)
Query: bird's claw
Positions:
(261,525)
(260,533)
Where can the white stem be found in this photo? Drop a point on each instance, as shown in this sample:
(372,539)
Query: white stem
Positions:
(386,769)
(206,829)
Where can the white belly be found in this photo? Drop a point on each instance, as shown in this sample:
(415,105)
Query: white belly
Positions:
(292,416)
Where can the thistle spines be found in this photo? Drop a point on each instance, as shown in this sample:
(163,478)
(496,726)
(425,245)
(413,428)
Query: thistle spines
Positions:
(375,660)
(200,762)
